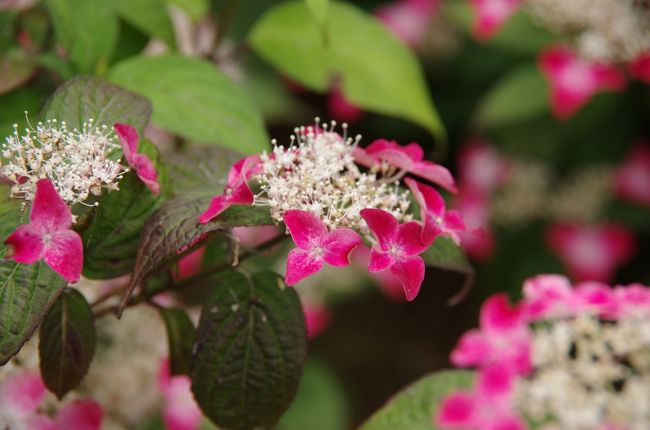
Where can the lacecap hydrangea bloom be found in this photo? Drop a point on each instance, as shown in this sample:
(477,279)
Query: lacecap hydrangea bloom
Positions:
(564,358)
(334,196)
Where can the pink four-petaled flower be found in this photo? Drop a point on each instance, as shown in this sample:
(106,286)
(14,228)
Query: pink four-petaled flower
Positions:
(316,245)
(397,249)
(237,191)
(481,167)
(48,235)
(573,80)
(490,15)
(409,158)
(142,165)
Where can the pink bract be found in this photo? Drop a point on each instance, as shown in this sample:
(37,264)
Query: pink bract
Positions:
(574,81)
(342,109)
(397,249)
(140,163)
(409,158)
(315,245)
(317,318)
(548,296)
(80,415)
(632,178)
(640,68)
(490,15)
(408,20)
(473,206)
(180,411)
(48,235)
(481,167)
(237,191)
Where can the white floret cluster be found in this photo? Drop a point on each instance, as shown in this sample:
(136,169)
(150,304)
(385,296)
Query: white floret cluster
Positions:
(80,163)
(317,173)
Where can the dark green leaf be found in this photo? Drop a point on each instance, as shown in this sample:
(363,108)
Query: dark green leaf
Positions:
(87,29)
(445,254)
(192,98)
(86,97)
(66,342)
(377,71)
(112,238)
(250,350)
(415,406)
(149,16)
(180,337)
(26,292)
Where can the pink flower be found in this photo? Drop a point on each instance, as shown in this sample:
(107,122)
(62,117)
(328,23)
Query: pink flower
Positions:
(640,67)
(190,264)
(409,158)
(341,109)
(80,415)
(437,220)
(591,252)
(142,165)
(503,338)
(596,298)
(481,167)
(490,15)
(397,249)
(548,297)
(488,407)
(573,81)
(180,411)
(408,20)
(237,191)
(632,299)
(317,318)
(632,178)
(48,235)
(473,206)
(316,246)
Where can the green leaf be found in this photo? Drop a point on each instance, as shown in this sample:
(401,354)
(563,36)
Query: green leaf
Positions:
(319,9)
(26,292)
(196,9)
(193,99)
(180,338)
(520,95)
(111,240)
(377,71)
(13,106)
(445,254)
(150,16)
(66,342)
(86,97)
(87,29)
(415,406)
(15,70)
(250,349)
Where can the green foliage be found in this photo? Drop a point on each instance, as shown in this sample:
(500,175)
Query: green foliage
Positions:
(149,16)
(66,342)
(26,292)
(195,100)
(414,407)
(16,69)
(445,254)
(87,29)
(196,9)
(319,9)
(251,345)
(180,337)
(377,71)
(85,97)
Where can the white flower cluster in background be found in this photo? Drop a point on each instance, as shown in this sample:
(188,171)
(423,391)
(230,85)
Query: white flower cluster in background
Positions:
(607,30)
(589,371)
(317,173)
(77,162)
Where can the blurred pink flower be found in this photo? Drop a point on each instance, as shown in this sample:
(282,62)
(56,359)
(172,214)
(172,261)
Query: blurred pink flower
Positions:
(315,245)
(48,235)
(317,318)
(342,109)
(490,15)
(632,178)
(80,415)
(591,252)
(548,296)
(640,68)
(190,264)
(408,20)
(574,81)
(180,411)
(140,163)
(481,167)
(473,206)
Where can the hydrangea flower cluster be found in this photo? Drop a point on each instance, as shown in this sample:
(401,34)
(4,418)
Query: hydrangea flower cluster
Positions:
(564,358)
(330,205)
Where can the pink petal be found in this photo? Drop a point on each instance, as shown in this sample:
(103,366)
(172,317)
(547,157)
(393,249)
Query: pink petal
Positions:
(495,381)
(22,392)
(406,21)
(436,174)
(409,239)
(307,230)
(383,224)
(457,411)
(190,264)
(497,315)
(341,109)
(339,244)
(491,15)
(640,68)
(393,153)
(240,195)
(217,205)
(379,261)
(508,422)
(146,171)
(317,318)
(42,422)
(301,264)
(243,169)
(429,200)
(410,273)
(362,157)
(481,167)
(180,411)
(80,415)
(472,349)
(128,137)
(64,254)
(25,245)
(547,296)
(632,178)
(49,211)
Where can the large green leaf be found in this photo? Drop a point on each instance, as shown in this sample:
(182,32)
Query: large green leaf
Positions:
(66,342)
(180,338)
(192,98)
(415,407)
(377,71)
(86,97)
(149,16)
(87,29)
(15,70)
(319,9)
(250,349)
(112,238)
(26,292)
